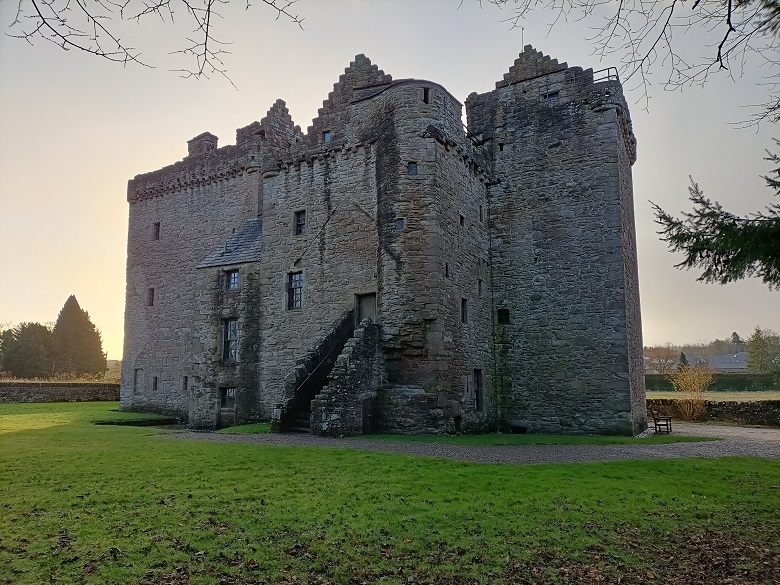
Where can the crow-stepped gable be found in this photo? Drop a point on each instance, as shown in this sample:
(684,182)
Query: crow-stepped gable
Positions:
(392,270)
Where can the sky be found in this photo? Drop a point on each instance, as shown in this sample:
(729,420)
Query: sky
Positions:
(75,128)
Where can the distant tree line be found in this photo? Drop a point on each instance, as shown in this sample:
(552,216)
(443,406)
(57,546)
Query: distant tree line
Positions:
(73,345)
(762,347)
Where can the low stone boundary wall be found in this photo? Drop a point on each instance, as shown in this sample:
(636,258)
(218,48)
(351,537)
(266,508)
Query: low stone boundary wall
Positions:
(764,412)
(57,392)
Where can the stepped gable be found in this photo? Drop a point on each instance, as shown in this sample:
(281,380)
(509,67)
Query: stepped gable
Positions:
(360,73)
(243,246)
(529,64)
(276,128)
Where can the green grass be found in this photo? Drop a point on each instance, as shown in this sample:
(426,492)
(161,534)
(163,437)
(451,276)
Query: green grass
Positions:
(88,504)
(723,396)
(247,429)
(509,439)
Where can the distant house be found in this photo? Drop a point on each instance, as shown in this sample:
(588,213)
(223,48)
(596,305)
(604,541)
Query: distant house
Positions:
(730,363)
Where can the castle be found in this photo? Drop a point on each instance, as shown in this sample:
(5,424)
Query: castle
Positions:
(392,270)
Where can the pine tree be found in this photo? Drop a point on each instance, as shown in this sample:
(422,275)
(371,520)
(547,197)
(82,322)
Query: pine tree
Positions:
(77,346)
(27,351)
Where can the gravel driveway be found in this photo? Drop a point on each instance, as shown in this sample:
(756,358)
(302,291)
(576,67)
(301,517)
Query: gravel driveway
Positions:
(753,442)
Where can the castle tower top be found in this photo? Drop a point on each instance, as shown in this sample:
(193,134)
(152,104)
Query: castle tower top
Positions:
(529,64)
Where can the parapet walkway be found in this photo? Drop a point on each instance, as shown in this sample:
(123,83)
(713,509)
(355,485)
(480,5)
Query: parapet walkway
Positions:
(734,441)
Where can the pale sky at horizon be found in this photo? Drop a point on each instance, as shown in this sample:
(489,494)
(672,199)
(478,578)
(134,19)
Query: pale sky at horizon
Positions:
(76,128)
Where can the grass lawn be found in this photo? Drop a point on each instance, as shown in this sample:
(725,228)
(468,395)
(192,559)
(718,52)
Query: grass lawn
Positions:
(96,504)
(724,396)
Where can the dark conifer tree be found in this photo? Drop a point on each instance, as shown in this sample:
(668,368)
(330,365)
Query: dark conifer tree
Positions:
(77,345)
(27,351)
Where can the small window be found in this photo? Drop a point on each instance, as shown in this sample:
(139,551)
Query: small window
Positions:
(185,383)
(479,286)
(446,270)
(295,290)
(326,136)
(502,316)
(138,380)
(300,223)
(479,394)
(150,297)
(500,147)
(462,221)
(230,341)
(156,230)
(400,224)
(227,397)
(426,95)
(411,169)
(550,96)
(231,280)
(481,214)
(155,383)
(464,310)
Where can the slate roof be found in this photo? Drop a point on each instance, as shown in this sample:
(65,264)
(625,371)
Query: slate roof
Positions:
(243,246)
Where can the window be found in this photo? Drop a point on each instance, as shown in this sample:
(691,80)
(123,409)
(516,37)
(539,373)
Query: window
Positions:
(326,136)
(411,169)
(502,315)
(481,214)
(155,383)
(227,397)
(231,280)
(150,297)
(550,96)
(156,230)
(479,395)
(426,95)
(464,310)
(138,380)
(295,290)
(300,223)
(479,286)
(400,224)
(446,270)
(230,341)
(185,383)
(500,147)
(462,221)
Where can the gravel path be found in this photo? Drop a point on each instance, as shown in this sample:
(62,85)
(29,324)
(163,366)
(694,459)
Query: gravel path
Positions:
(753,442)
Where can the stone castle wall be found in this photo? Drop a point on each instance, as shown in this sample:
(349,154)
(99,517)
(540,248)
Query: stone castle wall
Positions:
(560,261)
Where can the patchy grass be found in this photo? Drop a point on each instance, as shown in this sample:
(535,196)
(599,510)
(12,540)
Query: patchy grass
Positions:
(723,396)
(91,504)
(247,429)
(510,439)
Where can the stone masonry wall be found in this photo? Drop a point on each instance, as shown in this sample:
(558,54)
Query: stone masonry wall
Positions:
(56,392)
(339,409)
(562,249)
(760,412)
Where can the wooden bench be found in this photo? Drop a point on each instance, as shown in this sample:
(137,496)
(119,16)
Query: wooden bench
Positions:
(663,424)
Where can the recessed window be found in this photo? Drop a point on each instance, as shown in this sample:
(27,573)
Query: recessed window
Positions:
(185,383)
(479,392)
(326,136)
(462,221)
(502,316)
(446,270)
(138,380)
(295,290)
(550,96)
(156,230)
(155,383)
(231,280)
(149,297)
(411,169)
(481,214)
(400,224)
(227,397)
(464,310)
(300,223)
(479,286)
(230,341)
(500,147)
(426,95)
